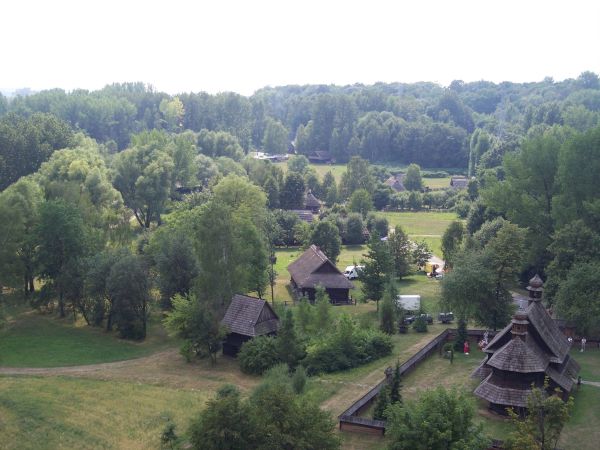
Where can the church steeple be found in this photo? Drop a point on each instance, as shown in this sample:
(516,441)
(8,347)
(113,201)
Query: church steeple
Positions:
(535,289)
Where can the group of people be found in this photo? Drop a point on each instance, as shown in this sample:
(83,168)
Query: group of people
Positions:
(583,342)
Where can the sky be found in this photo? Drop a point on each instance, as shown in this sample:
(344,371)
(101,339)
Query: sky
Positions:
(241,46)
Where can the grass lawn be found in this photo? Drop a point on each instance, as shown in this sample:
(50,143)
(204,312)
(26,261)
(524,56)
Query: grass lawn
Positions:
(437,183)
(589,361)
(60,412)
(35,340)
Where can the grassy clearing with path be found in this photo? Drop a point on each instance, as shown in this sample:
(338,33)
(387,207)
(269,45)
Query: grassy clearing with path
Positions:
(35,340)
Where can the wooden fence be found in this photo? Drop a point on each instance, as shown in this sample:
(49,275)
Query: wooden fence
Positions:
(349,419)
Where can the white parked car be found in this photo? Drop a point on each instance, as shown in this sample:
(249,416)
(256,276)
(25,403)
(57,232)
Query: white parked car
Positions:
(353,272)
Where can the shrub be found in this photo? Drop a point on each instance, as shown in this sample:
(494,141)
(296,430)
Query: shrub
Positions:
(420,324)
(335,353)
(258,355)
(299,380)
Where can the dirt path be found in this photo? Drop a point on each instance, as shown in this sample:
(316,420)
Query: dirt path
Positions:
(166,368)
(353,390)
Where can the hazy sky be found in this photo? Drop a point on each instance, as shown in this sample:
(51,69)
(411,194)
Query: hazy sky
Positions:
(234,45)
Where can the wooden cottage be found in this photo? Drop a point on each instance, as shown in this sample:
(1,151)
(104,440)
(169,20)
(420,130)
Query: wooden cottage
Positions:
(246,318)
(312,203)
(396,182)
(529,349)
(320,157)
(459,182)
(313,268)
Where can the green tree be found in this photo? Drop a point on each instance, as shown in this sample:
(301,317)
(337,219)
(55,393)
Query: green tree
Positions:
(227,422)
(271,188)
(173,112)
(401,251)
(358,175)
(128,288)
(382,403)
(355,229)
(289,348)
(297,164)
(61,236)
(326,236)
(451,242)
(412,180)
(21,202)
(361,202)
(292,192)
(323,311)
(387,314)
(421,253)
(143,175)
(305,315)
(286,421)
(197,323)
(546,416)
(578,297)
(176,263)
(378,268)
(275,139)
(439,420)
(26,143)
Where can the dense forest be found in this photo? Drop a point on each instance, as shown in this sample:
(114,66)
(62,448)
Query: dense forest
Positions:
(460,126)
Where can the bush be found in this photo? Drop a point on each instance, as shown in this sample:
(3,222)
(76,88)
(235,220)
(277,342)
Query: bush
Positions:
(258,355)
(333,354)
(420,324)
(299,380)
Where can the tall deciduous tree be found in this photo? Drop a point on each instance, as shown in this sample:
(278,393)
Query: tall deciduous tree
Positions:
(412,180)
(128,288)
(275,139)
(292,192)
(61,236)
(378,268)
(326,236)
(400,249)
(361,202)
(451,242)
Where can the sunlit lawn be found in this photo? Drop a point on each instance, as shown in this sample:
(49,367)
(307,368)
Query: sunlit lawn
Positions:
(35,340)
(60,412)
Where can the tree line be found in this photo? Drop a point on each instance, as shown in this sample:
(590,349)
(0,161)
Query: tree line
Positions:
(400,123)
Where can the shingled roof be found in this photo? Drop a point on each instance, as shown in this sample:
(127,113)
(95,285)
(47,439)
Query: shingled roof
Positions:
(250,316)
(311,201)
(396,182)
(313,268)
(530,348)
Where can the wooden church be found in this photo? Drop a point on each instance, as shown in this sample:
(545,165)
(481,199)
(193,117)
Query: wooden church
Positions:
(529,349)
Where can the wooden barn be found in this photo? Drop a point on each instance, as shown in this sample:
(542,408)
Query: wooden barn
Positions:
(313,268)
(396,182)
(529,349)
(312,203)
(246,318)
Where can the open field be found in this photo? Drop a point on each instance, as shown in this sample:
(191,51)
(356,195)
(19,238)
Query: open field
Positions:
(35,340)
(60,412)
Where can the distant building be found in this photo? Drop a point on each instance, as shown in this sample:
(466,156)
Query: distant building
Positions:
(246,318)
(459,182)
(320,157)
(396,182)
(306,215)
(313,268)
(529,349)
(311,202)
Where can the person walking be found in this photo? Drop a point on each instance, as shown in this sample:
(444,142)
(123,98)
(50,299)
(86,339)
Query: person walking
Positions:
(466,348)
(583,342)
